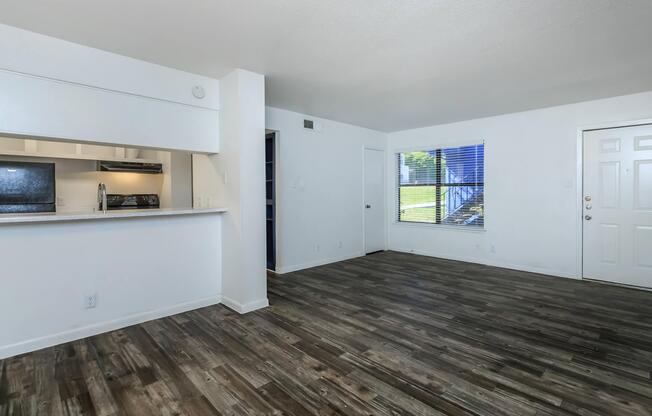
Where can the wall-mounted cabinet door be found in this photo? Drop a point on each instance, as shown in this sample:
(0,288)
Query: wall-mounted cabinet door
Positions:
(617,205)
(39,107)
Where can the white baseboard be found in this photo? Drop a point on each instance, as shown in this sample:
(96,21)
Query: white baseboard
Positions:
(504,265)
(289,269)
(99,328)
(245,307)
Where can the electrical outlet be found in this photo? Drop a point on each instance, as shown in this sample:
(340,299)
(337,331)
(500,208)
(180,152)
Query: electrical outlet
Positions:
(90,301)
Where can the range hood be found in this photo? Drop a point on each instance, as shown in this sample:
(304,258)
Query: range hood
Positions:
(137,167)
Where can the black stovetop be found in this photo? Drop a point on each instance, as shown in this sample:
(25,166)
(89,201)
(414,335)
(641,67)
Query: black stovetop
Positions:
(134,201)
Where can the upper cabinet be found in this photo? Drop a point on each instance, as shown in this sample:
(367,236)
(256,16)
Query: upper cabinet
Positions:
(53,88)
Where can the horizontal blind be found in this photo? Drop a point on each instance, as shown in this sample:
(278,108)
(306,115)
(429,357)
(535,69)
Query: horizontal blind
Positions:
(442,186)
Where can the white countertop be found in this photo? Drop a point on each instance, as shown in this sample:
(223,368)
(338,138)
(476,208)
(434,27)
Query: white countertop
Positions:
(98,215)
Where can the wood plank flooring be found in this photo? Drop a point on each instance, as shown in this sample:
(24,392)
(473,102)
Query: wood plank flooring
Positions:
(387,334)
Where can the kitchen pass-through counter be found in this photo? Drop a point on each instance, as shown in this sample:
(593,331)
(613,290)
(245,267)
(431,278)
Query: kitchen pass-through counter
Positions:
(99,215)
(135,265)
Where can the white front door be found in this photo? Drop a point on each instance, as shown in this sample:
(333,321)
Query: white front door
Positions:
(617,205)
(374,200)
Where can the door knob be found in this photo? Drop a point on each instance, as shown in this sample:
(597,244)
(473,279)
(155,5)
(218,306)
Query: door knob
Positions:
(588,206)
(587,198)
(367,206)
(587,217)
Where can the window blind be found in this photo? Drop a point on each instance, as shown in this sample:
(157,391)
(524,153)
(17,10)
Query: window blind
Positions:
(442,186)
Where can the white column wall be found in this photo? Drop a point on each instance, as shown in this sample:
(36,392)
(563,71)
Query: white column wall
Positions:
(240,186)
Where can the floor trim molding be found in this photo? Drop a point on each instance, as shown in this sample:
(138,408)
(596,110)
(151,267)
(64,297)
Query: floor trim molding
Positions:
(308,265)
(503,265)
(243,308)
(101,327)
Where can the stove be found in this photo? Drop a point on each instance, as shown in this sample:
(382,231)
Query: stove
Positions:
(134,201)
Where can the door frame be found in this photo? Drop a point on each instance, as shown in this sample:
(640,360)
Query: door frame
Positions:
(579,205)
(364,197)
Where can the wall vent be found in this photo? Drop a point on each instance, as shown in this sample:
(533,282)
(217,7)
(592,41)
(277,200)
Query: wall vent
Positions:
(308,124)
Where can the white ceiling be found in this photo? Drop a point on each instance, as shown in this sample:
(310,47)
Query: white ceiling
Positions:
(384,64)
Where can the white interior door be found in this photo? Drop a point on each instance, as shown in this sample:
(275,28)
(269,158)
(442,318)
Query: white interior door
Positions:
(374,200)
(617,202)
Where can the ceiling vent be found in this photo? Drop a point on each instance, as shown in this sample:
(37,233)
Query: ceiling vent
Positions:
(308,124)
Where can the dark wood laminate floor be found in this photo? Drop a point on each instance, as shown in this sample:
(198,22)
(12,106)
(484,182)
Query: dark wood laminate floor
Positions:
(388,334)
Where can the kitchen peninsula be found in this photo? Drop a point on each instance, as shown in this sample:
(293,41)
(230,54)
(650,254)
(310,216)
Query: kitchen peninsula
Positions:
(116,232)
(183,228)
(72,276)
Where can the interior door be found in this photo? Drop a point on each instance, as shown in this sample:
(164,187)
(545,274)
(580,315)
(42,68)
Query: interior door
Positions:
(374,200)
(617,205)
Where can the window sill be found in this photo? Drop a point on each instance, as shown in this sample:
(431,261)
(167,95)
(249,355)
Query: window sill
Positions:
(470,229)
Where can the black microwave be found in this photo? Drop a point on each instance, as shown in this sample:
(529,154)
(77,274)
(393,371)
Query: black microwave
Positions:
(27,187)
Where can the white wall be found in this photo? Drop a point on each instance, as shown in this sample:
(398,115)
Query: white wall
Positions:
(53,88)
(235,179)
(319,189)
(181,179)
(141,269)
(208,186)
(531,185)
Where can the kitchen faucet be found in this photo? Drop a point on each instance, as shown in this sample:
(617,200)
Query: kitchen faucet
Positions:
(101,197)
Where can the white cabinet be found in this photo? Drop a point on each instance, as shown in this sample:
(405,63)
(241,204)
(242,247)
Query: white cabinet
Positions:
(59,90)
(38,107)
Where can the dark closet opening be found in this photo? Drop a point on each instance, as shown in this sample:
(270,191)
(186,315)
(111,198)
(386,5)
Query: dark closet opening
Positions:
(270,196)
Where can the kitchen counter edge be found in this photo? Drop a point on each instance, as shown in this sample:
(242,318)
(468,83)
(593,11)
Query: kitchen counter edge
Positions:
(89,216)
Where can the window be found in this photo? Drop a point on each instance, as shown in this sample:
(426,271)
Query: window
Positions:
(442,186)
